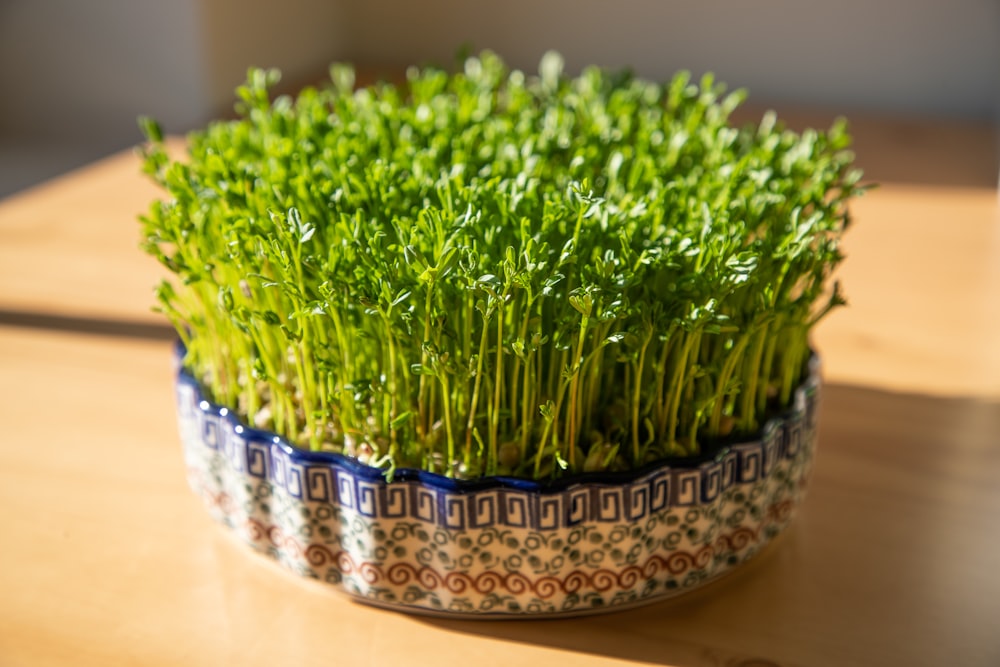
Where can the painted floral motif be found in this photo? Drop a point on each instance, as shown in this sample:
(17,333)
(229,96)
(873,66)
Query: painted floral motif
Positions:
(426,543)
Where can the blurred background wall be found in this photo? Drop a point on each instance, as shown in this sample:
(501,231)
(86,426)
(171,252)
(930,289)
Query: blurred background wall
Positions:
(74,74)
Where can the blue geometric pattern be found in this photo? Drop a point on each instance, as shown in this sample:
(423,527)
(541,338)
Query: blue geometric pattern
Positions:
(353,487)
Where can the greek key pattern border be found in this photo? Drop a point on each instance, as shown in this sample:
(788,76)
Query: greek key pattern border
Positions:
(207,428)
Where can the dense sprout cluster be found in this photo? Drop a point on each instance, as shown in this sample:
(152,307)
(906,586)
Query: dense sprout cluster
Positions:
(486,272)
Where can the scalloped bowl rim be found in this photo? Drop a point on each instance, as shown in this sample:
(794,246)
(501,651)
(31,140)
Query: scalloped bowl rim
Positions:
(714,452)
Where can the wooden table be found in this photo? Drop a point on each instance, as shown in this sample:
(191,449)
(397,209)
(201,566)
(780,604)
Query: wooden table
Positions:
(106,558)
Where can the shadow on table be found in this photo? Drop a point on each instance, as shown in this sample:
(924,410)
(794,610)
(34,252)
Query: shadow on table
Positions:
(91,326)
(901,483)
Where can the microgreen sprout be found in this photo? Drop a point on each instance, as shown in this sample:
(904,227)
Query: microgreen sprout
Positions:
(491,273)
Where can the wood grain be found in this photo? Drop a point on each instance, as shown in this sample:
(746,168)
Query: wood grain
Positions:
(922,276)
(71,246)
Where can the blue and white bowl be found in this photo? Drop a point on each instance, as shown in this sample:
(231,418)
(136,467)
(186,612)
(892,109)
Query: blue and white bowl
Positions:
(499,547)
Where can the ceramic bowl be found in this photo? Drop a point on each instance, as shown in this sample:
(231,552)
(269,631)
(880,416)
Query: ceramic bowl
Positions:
(499,547)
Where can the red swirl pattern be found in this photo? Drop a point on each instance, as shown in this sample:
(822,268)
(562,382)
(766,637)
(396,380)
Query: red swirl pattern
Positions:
(489,582)
(319,555)
(650,569)
(577,581)
(736,540)
(400,573)
(345,564)
(517,583)
(370,572)
(459,582)
(255,530)
(781,512)
(512,583)
(603,580)
(547,587)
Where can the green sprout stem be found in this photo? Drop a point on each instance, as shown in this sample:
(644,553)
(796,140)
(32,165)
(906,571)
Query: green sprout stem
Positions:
(498,273)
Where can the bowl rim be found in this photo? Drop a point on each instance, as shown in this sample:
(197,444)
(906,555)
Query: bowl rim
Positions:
(712,452)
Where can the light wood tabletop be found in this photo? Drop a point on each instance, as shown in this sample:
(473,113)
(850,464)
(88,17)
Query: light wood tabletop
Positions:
(107,558)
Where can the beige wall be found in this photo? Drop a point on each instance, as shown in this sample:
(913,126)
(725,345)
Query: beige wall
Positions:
(71,69)
(298,36)
(83,70)
(912,56)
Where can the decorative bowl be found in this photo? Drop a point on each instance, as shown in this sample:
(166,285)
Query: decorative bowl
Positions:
(499,547)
